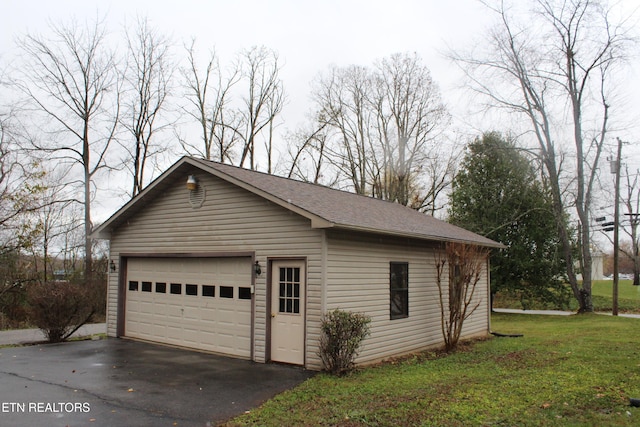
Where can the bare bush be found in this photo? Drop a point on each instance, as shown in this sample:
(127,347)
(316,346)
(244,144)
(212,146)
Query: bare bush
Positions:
(60,308)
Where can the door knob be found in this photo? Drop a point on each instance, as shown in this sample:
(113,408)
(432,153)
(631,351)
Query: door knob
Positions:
(273,314)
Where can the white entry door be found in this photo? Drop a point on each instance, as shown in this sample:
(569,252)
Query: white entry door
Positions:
(288,286)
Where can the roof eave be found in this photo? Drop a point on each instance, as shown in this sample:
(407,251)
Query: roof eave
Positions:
(419,236)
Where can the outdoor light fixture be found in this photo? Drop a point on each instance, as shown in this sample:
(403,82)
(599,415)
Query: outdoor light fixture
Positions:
(112,266)
(257,268)
(192,183)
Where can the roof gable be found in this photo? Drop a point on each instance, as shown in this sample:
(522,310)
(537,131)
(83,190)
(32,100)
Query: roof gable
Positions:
(325,207)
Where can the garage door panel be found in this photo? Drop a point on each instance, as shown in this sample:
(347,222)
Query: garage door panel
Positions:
(199,320)
(159,330)
(209,315)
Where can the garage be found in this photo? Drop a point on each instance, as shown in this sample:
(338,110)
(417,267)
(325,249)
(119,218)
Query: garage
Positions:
(214,257)
(201,303)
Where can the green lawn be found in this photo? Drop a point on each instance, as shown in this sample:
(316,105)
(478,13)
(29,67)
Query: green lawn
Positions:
(602,292)
(565,371)
(628,296)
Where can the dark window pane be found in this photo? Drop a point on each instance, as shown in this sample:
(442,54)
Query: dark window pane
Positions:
(282,290)
(289,306)
(146,286)
(399,290)
(289,290)
(191,289)
(176,288)
(289,274)
(133,286)
(296,275)
(244,293)
(281,308)
(208,291)
(399,275)
(282,274)
(226,291)
(296,290)
(296,306)
(161,288)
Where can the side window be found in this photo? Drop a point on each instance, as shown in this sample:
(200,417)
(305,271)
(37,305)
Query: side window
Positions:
(399,290)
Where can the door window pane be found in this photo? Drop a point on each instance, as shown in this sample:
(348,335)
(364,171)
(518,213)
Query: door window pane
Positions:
(289,286)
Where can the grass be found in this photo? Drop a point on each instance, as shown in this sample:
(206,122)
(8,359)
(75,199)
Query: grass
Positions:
(628,296)
(602,296)
(565,371)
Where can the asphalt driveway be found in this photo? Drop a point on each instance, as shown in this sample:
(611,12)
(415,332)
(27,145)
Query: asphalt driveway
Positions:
(114,382)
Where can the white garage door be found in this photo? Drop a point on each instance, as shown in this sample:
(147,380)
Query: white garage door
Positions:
(202,303)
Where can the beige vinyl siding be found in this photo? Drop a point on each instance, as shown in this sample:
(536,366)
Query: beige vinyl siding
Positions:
(231,220)
(478,323)
(358,280)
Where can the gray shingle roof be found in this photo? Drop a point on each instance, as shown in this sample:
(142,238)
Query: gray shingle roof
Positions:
(341,209)
(325,207)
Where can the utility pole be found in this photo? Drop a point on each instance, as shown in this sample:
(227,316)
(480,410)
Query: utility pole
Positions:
(615,168)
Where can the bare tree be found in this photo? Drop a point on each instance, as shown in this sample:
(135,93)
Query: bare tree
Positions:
(50,222)
(208,93)
(437,171)
(459,268)
(232,114)
(383,126)
(342,99)
(306,149)
(631,202)
(20,190)
(537,67)
(20,183)
(148,85)
(410,118)
(262,102)
(70,79)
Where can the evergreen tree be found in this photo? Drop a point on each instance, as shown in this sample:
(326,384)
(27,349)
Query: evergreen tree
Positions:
(497,194)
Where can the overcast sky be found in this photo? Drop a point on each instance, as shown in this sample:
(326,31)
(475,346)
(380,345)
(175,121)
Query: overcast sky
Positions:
(308,35)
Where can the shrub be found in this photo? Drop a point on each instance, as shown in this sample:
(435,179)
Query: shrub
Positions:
(342,334)
(59,308)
